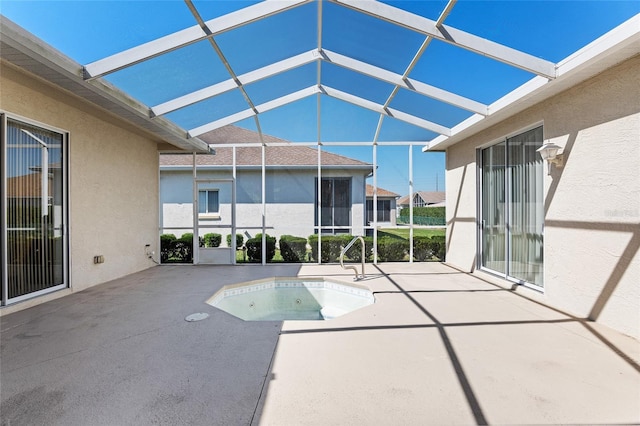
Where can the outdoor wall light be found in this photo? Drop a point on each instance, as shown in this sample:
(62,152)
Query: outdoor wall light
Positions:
(549,153)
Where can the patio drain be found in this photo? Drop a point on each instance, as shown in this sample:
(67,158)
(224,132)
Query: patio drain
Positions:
(199,316)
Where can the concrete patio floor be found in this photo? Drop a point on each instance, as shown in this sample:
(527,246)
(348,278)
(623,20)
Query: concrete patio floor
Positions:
(438,347)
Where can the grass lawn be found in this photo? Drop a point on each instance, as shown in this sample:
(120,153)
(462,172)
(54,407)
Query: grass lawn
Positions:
(241,257)
(417,232)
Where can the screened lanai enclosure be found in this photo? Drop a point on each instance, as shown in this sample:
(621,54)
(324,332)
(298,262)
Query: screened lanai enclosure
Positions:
(353,83)
(303,124)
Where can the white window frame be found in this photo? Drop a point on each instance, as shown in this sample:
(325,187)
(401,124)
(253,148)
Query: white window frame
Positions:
(207,214)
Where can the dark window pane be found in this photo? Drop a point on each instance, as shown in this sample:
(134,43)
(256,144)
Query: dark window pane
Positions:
(342,202)
(212,202)
(202,201)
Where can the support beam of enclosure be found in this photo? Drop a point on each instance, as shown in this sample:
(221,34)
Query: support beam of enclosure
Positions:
(403,116)
(220,54)
(244,79)
(329,56)
(233,118)
(406,83)
(188,36)
(312,90)
(448,8)
(453,36)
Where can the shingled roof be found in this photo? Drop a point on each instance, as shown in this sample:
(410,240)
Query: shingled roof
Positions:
(429,197)
(382,193)
(289,155)
(27,186)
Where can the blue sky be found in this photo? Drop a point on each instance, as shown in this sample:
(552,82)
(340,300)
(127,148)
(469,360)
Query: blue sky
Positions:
(90,30)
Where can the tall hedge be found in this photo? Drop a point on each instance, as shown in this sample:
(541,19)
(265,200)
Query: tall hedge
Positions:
(439,212)
(426,249)
(239,240)
(183,248)
(212,239)
(293,249)
(254,248)
(354,254)
(166,246)
(392,249)
(441,248)
(330,250)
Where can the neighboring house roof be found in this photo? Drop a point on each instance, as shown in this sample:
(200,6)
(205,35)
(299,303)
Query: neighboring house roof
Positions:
(428,197)
(26,186)
(440,204)
(235,134)
(289,155)
(382,193)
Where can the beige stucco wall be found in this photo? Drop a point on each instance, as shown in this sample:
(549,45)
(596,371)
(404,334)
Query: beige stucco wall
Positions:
(113,179)
(592,204)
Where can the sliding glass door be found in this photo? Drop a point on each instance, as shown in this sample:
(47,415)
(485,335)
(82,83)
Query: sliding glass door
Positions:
(335,198)
(512,208)
(494,208)
(34,210)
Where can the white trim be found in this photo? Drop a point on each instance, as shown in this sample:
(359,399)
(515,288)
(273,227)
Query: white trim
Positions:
(188,36)
(619,44)
(519,131)
(408,83)
(453,36)
(31,122)
(230,119)
(629,30)
(399,115)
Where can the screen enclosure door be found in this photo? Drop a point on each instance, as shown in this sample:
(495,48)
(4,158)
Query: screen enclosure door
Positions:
(214,221)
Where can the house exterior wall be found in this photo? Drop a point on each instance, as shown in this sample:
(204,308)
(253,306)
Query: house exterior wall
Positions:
(113,179)
(290,198)
(393,212)
(592,203)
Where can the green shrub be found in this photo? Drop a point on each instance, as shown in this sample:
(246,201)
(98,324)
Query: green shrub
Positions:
(293,249)
(422,250)
(425,212)
(424,216)
(212,239)
(425,248)
(354,254)
(239,240)
(391,249)
(313,242)
(254,248)
(183,248)
(166,246)
(330,250)
(439,246)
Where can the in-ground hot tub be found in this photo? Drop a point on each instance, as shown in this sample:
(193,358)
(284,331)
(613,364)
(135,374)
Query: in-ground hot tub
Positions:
(279,299)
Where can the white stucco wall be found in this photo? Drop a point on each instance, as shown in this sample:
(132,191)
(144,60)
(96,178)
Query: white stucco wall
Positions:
(290,198)
(592,203)
(113,179)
